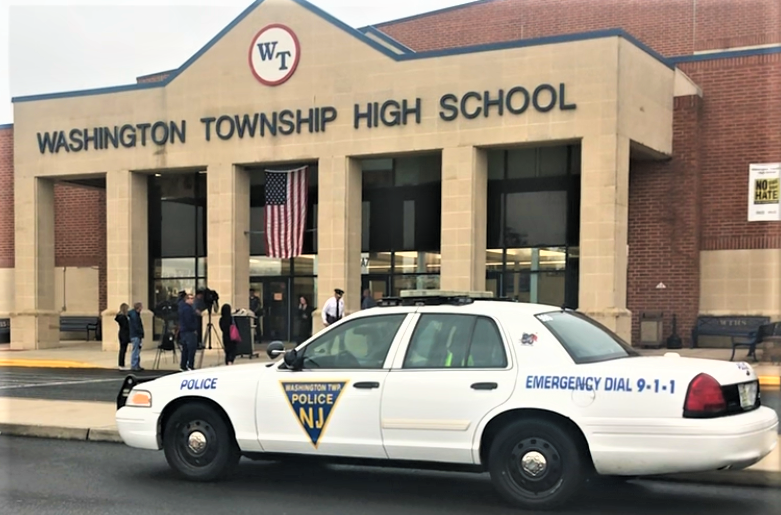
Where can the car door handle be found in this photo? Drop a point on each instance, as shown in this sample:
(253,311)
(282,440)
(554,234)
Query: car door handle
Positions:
(367,385)
(485,386)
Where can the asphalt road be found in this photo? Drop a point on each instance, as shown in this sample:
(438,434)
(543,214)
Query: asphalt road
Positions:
(102,385)
(66,384)
(48,477)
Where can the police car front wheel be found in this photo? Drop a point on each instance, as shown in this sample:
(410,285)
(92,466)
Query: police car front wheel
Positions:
(536,464)
(198,443)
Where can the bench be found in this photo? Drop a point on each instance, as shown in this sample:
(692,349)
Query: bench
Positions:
(5,330)
(74,324)
(743,331)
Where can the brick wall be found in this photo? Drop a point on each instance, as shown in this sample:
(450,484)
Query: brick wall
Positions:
(79,220)
(80,230)
(7,197)
(741,124)
(664,227)
(672,27)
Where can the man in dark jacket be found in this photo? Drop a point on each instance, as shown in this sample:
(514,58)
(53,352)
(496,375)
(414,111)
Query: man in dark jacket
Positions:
(188,332)
(136,336)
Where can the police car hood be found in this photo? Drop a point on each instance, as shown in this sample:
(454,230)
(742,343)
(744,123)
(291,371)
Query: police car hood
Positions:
(674,366)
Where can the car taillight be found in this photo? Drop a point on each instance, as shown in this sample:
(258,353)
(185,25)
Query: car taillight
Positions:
(704,398)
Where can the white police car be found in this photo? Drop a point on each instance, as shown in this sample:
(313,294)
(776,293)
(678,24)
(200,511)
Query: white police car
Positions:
(540,397)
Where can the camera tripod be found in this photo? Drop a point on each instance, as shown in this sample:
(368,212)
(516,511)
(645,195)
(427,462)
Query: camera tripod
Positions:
(208,338)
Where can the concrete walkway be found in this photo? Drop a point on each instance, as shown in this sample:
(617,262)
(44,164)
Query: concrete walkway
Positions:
(90,355)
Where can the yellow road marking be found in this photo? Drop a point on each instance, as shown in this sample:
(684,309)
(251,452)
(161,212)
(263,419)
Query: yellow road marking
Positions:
(769,381)
(44,363)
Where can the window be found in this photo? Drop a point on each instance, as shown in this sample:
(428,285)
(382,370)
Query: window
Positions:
(536,219)
(361,344)
(455,341)
(586,340)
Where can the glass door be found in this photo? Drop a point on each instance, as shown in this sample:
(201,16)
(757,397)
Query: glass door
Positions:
(275,309)
(493,283)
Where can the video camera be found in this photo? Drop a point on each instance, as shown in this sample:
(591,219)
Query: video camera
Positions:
(166,310)
(210,298)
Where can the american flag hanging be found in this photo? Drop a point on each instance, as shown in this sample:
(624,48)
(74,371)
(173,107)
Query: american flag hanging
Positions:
(285,212)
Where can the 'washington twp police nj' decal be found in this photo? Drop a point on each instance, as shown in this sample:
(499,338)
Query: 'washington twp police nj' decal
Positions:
(313,403)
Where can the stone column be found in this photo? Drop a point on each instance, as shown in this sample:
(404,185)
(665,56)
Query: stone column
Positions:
(603,232)
(464,218)
(127,253)
(338,233)
(35,324)
(227,244)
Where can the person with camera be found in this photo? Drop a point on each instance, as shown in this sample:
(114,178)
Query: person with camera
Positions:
(189,321)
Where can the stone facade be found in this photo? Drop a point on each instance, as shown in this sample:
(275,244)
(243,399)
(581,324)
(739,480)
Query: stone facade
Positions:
(631,116)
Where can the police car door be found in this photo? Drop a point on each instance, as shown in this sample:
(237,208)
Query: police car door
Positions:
(456,368)
(332,405)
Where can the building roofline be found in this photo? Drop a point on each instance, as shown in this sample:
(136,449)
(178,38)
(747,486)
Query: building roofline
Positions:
(564,38)
(6,126)
(432,13)
(370,29)
(726,54)
(150,75)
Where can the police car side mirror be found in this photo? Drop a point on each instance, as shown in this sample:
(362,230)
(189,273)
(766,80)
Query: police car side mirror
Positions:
(275,349)
(291,360)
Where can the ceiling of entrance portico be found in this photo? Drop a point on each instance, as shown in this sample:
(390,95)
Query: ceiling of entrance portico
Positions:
(401,53)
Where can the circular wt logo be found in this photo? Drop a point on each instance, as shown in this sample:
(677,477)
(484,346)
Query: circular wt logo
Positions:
(274,54)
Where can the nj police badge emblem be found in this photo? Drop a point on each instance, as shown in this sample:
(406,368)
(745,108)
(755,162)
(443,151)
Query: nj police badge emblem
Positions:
(313,403)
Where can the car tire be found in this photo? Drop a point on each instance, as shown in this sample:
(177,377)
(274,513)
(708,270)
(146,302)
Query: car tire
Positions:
(199,445)
(536,465)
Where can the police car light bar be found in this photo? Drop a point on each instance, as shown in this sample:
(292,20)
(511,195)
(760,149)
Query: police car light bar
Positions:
(438,298)
(447,294)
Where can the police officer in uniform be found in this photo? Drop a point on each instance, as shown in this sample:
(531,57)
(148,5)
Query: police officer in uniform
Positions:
(333,310)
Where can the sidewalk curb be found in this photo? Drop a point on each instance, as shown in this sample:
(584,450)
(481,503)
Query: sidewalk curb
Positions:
(61,433)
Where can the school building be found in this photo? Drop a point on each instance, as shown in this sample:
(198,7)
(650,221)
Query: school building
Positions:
(618,157)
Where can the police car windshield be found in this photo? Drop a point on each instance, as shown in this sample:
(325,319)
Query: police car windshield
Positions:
(586,340)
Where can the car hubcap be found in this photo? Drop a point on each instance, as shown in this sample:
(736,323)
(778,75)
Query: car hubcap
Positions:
(535,468)
(534,463)
(197,443)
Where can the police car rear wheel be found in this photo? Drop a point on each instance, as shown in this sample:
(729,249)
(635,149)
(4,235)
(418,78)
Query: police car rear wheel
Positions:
(536,464)
(198,444)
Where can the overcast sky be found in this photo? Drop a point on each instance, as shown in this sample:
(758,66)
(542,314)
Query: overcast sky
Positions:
(60,45)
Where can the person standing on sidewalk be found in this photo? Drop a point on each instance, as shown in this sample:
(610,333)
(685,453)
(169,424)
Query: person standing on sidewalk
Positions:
(304,320)
(333,310)
(230,346)
(368,300)
(188,333)
(124,333)
(136,336)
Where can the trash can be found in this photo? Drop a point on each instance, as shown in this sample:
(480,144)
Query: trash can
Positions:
(651,327)
(243,320)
